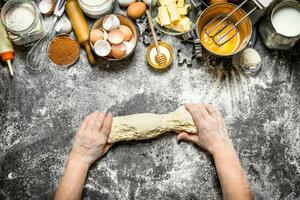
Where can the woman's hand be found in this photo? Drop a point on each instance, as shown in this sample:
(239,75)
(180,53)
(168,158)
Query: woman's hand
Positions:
(90,142)
(212,133)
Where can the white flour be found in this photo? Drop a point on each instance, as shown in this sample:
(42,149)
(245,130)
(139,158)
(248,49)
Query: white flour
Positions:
(20,18)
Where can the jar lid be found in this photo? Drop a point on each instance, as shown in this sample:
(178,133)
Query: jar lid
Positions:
(166,49)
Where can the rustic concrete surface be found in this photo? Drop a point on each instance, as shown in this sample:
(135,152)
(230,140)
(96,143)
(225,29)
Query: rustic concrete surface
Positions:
(40,113)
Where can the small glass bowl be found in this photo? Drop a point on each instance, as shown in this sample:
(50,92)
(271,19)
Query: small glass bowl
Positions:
(72,38)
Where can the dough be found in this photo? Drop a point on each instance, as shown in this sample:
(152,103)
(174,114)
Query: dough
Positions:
(148,125)
(247,59)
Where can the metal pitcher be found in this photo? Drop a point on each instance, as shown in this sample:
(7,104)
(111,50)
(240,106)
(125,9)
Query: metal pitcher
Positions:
(270,37)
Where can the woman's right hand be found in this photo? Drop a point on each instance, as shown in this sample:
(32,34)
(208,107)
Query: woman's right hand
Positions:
(90,142)
(212,133)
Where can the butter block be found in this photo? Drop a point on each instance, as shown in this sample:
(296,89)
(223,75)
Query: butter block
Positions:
(173,12)
(163,16)
(184,10)
(166,2)
(182,25)
(180,3)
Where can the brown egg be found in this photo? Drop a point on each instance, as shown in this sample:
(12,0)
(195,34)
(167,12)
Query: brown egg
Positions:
(136,10)
(96,35)
(118,51)
(211,2)
(126,31)
(116,36)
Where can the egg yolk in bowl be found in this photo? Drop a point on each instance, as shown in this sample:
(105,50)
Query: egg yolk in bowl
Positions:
(209,41)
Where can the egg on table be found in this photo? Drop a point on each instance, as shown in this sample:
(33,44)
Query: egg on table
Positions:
(136,10)
(118,51)
(126,31)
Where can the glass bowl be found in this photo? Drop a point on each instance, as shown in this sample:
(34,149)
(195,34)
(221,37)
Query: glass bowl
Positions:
(71,63)
(193,14)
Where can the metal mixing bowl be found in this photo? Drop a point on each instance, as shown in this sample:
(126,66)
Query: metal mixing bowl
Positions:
(244,28)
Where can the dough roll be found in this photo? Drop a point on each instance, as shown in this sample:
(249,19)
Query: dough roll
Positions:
(148,125)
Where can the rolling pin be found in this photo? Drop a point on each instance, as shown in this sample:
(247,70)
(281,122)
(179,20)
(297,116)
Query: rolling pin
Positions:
(80,27)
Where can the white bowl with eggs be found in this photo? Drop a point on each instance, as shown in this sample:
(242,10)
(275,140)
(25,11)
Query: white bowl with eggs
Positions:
(113,37)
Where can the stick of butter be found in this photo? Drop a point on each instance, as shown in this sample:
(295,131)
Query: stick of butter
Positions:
(163,16)
(166,2)
(174,15)
(184,10)
(180,3)
(182,25)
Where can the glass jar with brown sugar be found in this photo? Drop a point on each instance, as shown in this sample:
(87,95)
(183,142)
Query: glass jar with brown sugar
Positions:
(64,50)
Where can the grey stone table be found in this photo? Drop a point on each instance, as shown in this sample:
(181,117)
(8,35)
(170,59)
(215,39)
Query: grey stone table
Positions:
(40,113)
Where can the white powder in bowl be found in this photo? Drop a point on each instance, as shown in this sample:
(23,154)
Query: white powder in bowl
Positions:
(20,17)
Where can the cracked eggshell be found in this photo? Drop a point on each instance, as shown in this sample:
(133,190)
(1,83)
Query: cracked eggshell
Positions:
(47,7)
(126,31)
(118,51)
(63,25)
(129,47)
(102,48)
(98,34)
(105,34)
(111,22)
(116,36)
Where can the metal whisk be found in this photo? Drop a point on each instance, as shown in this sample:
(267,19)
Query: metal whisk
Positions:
(224,26)
(35,60)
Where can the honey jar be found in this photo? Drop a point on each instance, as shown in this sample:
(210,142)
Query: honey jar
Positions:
(166,49)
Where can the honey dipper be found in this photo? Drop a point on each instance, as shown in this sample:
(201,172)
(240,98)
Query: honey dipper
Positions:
(160,58)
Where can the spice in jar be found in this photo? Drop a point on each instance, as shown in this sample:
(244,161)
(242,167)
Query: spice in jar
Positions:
(63,50)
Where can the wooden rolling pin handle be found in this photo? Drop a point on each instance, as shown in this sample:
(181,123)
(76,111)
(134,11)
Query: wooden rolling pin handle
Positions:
(89,52)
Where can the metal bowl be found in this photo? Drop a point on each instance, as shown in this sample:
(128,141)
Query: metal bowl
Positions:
(124,21)
(193,15)
(244,28)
